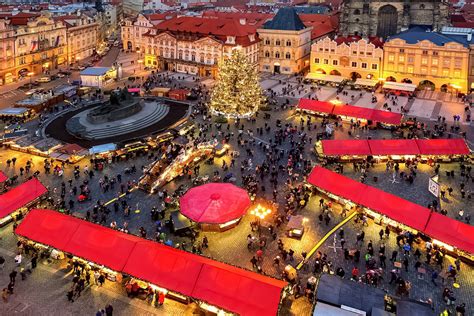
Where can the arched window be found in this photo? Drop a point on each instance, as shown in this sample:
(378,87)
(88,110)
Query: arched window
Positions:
(288,56)
(288,43)
(277,55)
(267,54)
(267,42)
(277,43)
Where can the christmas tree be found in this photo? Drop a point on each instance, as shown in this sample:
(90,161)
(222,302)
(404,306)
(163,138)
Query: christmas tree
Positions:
(237,92)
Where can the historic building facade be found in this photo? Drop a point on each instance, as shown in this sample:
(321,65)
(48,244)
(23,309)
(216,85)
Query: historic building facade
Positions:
(351,57)
(285,44)
(82,36)
(7,52)
(385,18)
(40,45)
(428,59)
(195,45)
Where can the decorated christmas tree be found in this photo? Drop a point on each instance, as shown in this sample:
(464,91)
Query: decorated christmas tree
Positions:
(237,92)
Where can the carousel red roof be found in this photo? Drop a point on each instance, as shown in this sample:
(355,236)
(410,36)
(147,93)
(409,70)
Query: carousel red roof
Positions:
(21,196)
(222,285)
(214,203)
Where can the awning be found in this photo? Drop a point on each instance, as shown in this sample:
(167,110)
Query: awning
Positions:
(324,77)
(387,147)
(353,111)
(399,86)
(102,148)
(386,117)
(233,289)
(315,106)
(3,177)
(366,82)
(214,203)
(20,196)
(337,184)
(396,208)
(449,146)
(451,232)
(13,111)
(342,147)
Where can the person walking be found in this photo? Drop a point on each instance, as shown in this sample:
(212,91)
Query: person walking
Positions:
(109,310)
(13,275)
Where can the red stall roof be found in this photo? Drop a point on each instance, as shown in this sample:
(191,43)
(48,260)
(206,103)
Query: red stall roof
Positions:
(353,111)
(451,232)
(337,184)
(231,288)
(20,196)
(315,106)
(3,177)
(396,208)
(451,146)
(385,147)
(340,147)
(386,117)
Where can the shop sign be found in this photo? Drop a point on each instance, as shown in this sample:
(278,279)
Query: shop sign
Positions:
(433,186)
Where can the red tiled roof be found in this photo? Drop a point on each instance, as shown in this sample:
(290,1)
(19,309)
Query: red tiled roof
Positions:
(355,38)
(20,18)
(160,16)
(218,28)
(252,18)
(322,24)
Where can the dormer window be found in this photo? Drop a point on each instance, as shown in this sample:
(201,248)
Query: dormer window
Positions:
(252,37)
(230,40)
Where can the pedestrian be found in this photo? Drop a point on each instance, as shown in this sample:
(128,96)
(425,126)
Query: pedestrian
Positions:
(254,261)
(405,263)
(101,279)
(109,310)
(434,276)
(161,298)
(381,233)
(13,276)
(355,273)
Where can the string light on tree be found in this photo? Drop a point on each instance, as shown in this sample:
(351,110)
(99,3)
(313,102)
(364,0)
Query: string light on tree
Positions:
(237,92)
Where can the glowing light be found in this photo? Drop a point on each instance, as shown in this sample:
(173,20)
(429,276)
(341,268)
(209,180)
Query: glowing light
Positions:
(260,211)
(336,102)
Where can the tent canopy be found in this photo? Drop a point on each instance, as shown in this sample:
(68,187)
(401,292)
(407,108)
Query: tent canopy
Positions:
(20,196)
(353,111)
(449,146)
(366,82)
(233,289)
(324,77)
(214,203)
(399,86)
(386,117)
(341,147)
(315,106)
(451,232)
(386,147)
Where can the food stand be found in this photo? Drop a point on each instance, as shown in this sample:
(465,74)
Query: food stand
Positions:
(71,153)
(160,92)
(320,78)
(295,228)
(399,88)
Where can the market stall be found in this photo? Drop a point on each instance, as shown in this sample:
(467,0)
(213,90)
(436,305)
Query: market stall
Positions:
(366,83)
(71,153)
(399,88)
(349,112)
(178,94)
(396,212)
(179,275)
(215,206)
(395,149)
(295,227)
(18,199)
(160,92)
(323,78)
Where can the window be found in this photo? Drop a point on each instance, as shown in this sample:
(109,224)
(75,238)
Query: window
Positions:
(277,55)
(354,52)
(334,62)
(288,43)
(326,61)
(356,12)
(424,61)
(364,65)
(446,62)
(434,71)
(457,63)
(288,56)
(267,42)
(369,53)
(316,60)
(391,57)
(354,64)
(435,53)
(434,61)
(267,54)
(410,69)
(277,43)
(22,60)
(411,59)
(445,72)
(457,73)
(401,59)
(375,66)
(425,52)
(402,50)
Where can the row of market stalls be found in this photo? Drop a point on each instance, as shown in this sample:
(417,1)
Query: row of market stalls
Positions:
(455,236)
(349,112)
(397,149)
(44,99)
(215,286)
(18,199)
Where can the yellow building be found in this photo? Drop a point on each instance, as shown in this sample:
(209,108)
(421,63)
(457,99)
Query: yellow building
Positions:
(40,45)
(285,44)
(428,59)
(350,57)
(7,52)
